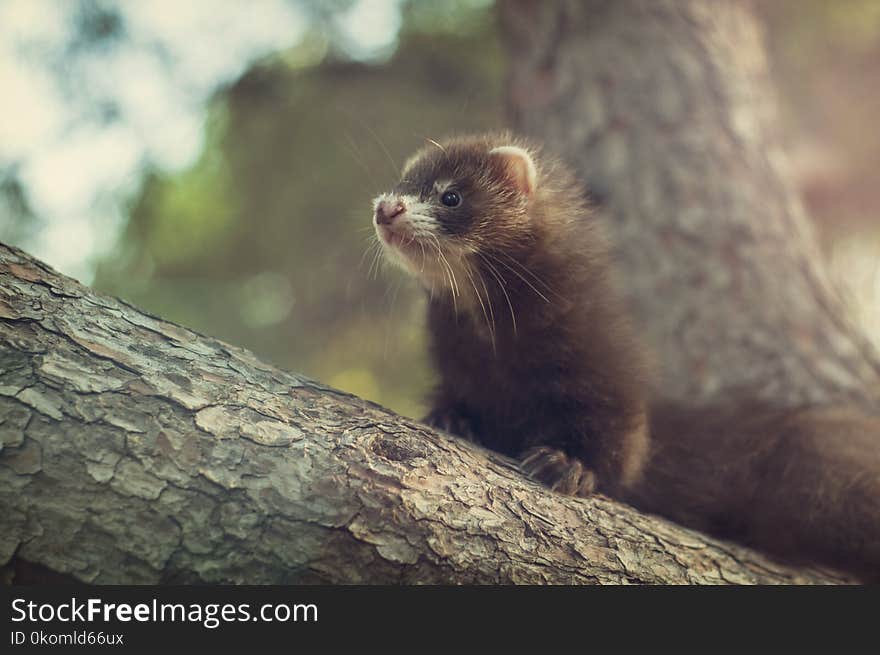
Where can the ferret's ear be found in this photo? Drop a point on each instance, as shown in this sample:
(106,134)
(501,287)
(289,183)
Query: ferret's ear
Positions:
(519,166)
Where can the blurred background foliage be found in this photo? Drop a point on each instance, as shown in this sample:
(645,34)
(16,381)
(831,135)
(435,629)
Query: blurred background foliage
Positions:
(262,236)
(825,57)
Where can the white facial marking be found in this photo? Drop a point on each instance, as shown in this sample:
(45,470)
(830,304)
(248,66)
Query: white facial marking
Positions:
(441,185)
(416,220)
(415,243)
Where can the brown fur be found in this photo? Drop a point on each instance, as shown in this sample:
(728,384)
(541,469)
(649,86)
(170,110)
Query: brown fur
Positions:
(803,484)
(537,359)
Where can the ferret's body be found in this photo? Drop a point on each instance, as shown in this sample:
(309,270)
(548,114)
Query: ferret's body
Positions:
(552,383)
(535,354)
(537,359)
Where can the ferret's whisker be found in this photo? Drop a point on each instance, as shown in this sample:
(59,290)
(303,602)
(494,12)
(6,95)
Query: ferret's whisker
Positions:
(441,261)
(489,325)
(375,136)
(456,291)
(501,284)
(521,277)
(359,159)
(451,272)
(451,287)
(430,140)
(449,276)
(512,260)
(368,250)
(377,261)
(491,307)
(535,277)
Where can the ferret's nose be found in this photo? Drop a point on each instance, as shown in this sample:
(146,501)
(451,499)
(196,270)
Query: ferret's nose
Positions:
(387,211)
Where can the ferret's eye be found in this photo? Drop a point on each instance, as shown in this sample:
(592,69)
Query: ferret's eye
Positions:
(451,198)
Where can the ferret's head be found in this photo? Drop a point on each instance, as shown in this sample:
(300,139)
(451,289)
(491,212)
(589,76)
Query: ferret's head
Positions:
(457,205)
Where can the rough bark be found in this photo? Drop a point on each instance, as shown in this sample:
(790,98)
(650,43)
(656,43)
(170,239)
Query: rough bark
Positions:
(667,110)
(136,451)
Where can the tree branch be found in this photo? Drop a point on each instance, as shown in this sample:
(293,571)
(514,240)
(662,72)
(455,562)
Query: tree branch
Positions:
(136,451)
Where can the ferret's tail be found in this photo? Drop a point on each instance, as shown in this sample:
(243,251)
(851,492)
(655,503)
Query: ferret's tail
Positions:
(803,485)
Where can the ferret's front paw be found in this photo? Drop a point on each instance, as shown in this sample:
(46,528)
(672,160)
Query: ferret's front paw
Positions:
(451,421)
(558,471)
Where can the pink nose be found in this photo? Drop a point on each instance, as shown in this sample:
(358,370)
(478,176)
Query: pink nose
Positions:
(386,211)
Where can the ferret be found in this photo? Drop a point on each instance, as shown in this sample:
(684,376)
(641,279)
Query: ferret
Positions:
(536,356)
(537,359)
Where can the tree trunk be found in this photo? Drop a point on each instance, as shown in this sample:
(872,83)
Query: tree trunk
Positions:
(136,451)
(666,109)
